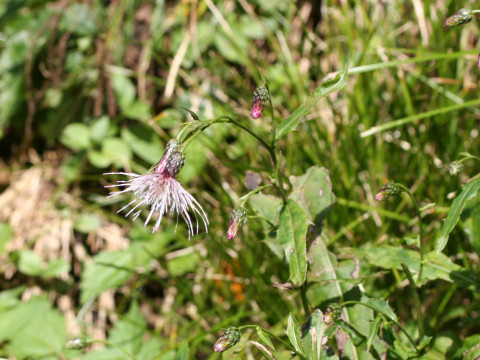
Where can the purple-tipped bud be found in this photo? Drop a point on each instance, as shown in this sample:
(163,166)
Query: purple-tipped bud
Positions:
(229,338)
(333,312)
(455,168)
(260,96)
(174,164)
(389,189)
(172,146)
(461,17)
(76,344)
(238,218)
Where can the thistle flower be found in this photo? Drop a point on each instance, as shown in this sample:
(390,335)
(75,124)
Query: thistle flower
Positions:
(260,96)
(229,338)
(333,312)
(461,17)
(238,218)
(162,192)
(455,168)
(76,344)
(388,190)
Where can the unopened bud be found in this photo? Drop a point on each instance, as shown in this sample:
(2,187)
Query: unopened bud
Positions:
(455,168)
(76,344)
(260,96)
(172,146)
(389,189)
(229,338)
(461,17)
(333,312)
(238,218)
(174,164)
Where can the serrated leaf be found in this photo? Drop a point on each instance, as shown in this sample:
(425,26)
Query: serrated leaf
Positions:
(456,209)
(323,90)
(291,235)
(108,270)
(313,191)
(128,332)
(293,333)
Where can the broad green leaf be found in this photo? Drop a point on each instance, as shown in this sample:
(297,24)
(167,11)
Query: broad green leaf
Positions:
(468,192)
(124,90)
(313,191)
(76,136)
(151,348)
(373,331)
(293,333)
(87,222)
(99,129)
(117,151)
(291,235)
(32,329)
(313,332)
(180,265)
(323,90)
(10,298)
(143,142)
(182,352)
(128,332)
(108,270)
(471,221)
(29,263)
(55,268)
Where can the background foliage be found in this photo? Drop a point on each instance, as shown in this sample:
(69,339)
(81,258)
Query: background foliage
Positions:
(88,87)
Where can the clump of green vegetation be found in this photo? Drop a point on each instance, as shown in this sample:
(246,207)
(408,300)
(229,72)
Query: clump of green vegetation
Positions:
(251,142)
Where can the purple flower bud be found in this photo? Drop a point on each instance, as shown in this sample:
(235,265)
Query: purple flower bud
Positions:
(389,189)
(461,17)
(238,218)
(229,338)
(260,96)
(172,146)
(76,344)
(333,312)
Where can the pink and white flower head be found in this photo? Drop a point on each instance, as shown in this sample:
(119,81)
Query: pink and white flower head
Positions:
(260,96)
(162,192)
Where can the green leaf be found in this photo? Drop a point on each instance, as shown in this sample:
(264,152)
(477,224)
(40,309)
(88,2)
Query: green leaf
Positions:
(291,235)
(293,333)
(182,353)
(323,90)
(373,331)
(86,223)
(381,306)
(124,90)
(128,332)
(6,233)
(180,265)
(469,191)
(99,129)
(29,263)
(143,142)
(313,191)
(471,221)
(55,268)
(312,346)
(117,151)
(264,338)
(76,136)
(107,271)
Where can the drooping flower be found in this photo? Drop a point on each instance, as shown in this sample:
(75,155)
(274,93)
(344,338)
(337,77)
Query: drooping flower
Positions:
(161,191)
(333,312)
(388,189)
(238,218)
(461,17)
(229,338)
(260,96)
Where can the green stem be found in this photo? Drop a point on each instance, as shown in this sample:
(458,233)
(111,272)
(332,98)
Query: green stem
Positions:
(245,198)
(106,342)
(354,302)
(416,300)
(303,294)
(420,224)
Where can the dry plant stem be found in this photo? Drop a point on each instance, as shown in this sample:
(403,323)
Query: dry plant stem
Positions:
(353,302)
(416,300)
(106,342)
(420,224)
(289,346)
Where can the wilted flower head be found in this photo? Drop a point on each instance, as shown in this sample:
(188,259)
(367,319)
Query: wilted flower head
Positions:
(455,168)
(238,218)
(260,96)
(389,189)
(461,17)
(76,344)
(332,313)
(162,192)
(229,338)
